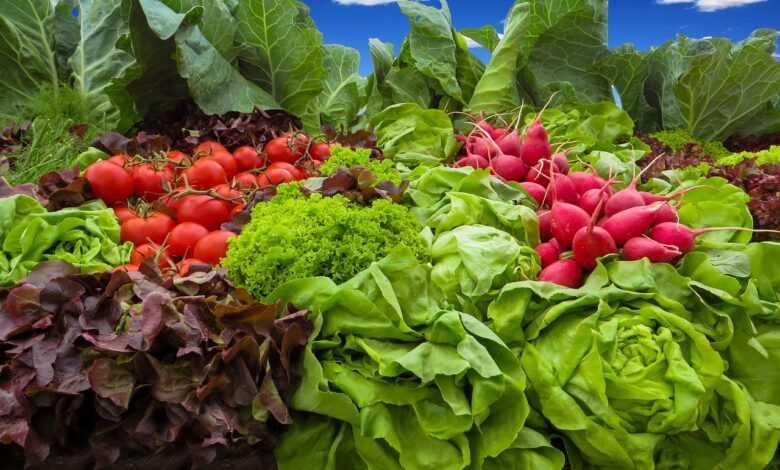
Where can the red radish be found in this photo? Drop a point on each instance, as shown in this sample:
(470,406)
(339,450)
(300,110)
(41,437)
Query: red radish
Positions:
(565,272)
(498,133)
(485,126)
(545,226)
(674,234)
(561,162)
(591,198)
(591,243)
(510,144)
(650,198)
(666,213)
(642,247)
(509,168)
(474,161)
(536,144)
(482,147)
(563,189)
(585,181)
(566,220)
(549,252)
(630,223)
(540,173)
(624,199)
(535,190)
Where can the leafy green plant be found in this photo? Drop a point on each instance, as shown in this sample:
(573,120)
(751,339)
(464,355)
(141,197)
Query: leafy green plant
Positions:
(343,157)
(293,236)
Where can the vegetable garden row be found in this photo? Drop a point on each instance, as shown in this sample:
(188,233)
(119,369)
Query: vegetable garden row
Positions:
(221,247)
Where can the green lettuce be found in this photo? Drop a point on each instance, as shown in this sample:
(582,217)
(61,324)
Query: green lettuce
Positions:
(397,380)
(86,237)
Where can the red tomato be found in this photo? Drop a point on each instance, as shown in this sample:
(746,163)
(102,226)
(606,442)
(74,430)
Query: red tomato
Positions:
(149,182)
(286,149)
(184,237)
(120,159)
(246,180)
(237,209)
(320,151)
(128,268)
(124,213)
(208,147)
(279,176)
(110,182)
(203,210)
(152,229)
(151,250)
(170,201)
(226,191)
(213,246)
(247,158)
(184,266)
(227,161)
(296,172)
(205,174)
(179,158)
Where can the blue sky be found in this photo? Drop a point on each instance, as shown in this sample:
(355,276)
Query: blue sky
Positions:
(645,23)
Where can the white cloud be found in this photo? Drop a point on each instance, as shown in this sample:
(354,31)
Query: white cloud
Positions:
(712,5)
(365,3)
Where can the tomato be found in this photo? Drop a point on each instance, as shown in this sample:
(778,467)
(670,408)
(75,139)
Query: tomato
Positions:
(227,161)
(109,182)
(184,266)
(128,268)
(150,183)
(236,210)
(152,229)
(320,151)
(170,201)
(279,176)
(296,172)
(227,192)
(124,213)
(151,250)
(208,147)
(213,247)
(205,174)
(286,148)
(184,237)
(203,210)
(179,158)
(120,159)
(246,180)
(247,158)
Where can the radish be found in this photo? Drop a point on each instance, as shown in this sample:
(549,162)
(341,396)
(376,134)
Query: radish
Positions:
(563,189)
(545,227)
(509,168)
(666,213)
(540,173)
(566,220)
(474,161)
(485,126)
(498,133)
(536,144)
(590,199)
(642,247)
(591,243)
(561,162)
(482,147)
(630,223)
(585,181)
(510,143)
(565,272)
(536,191)
(683,237)
(549,252)
(624,199)
(650,198)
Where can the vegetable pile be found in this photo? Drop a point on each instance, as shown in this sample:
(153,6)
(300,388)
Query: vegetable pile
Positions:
(111,367)
(221,247)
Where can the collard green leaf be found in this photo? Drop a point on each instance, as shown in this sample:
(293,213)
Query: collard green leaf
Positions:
(407,85)
(281,51)
(469,69)
(432,45)
(215,85)
(486,36)
(97,60)
(381,56)
(339,102)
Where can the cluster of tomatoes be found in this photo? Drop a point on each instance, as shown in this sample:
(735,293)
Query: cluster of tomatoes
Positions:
(171,206)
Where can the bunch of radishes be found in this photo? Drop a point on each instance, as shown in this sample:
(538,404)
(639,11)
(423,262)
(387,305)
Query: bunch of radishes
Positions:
(509,155)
